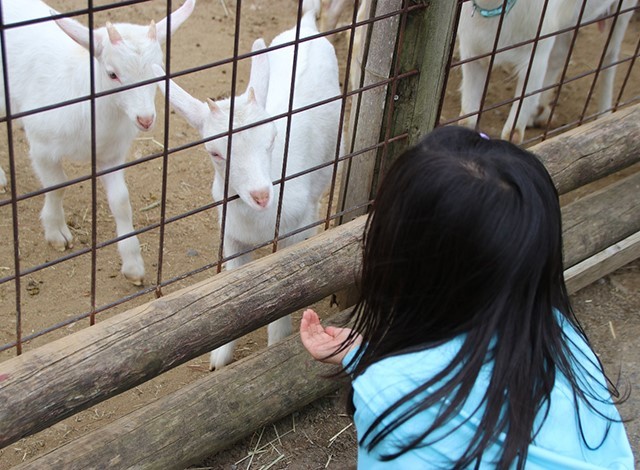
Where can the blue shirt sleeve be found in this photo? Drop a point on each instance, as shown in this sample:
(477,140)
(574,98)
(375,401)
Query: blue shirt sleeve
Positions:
(558,445)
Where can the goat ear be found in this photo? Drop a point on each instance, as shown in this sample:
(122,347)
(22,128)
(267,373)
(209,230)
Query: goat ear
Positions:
(193,110)
(153,35)
(79,34)
(114,35)
(259,78)
(177,18)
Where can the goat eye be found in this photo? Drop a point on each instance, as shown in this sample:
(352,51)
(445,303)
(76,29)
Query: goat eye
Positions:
(112,75)
(216,155)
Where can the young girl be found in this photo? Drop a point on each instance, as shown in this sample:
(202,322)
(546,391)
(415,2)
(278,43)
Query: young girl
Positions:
(465,351)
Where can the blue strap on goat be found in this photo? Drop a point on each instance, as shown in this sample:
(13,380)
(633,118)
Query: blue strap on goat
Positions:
(494,11)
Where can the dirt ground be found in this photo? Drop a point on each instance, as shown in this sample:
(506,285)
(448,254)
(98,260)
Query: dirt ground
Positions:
(321,435)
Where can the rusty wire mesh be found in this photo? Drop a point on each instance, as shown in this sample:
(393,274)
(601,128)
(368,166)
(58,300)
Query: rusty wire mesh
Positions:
(45,294)
(590,34)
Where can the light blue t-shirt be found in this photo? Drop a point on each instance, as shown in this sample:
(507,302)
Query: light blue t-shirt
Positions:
(558,445)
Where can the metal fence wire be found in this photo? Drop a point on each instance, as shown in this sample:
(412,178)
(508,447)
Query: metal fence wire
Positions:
(179,230)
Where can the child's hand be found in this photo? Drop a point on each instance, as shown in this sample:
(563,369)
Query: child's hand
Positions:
(322,342)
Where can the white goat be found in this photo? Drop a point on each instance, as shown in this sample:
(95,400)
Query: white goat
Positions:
(477,35)
(330,12)
(3,181)
(48,63)
(256,158)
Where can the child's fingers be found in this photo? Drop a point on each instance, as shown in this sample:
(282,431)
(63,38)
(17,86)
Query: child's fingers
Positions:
(311,316)
(310,324)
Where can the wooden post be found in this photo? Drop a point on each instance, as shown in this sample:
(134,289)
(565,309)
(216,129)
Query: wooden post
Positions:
(408,105)
(428,40)
(368,110)
(367,113)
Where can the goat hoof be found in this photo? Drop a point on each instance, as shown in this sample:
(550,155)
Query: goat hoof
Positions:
(219,359)
(469,122)
(59,238)
(516,137)
(134,272)
(135,282)
(61,245)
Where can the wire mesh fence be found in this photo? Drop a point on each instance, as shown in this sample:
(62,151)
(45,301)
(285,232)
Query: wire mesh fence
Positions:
(181,226)
(548,66)
(183,230)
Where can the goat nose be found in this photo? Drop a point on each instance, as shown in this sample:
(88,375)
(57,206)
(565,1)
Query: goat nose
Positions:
(145,121)
(261,197)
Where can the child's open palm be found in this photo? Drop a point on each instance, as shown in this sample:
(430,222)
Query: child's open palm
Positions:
(322,342)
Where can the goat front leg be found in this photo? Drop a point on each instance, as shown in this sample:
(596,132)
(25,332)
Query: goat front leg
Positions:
(607,76)
(282,327)
(557,60)
(514,129)
(3,181)
(223,355)
(474,77)
(51,173)
(120,205)
(330,13)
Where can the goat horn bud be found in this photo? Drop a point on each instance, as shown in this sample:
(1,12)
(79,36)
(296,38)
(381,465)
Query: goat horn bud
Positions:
(251,96)
(213,106)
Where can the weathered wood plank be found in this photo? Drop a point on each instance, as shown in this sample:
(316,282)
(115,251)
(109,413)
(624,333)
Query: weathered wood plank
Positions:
(601,219)
(365,119)
(222,408)
(367,112)
(204,417)
(592,151)
(427,45)
(603,263)
(428,39)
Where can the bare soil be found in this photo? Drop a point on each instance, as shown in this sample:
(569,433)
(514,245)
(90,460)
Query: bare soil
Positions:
(321,435)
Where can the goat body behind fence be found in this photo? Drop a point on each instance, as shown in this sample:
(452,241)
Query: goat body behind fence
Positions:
(49,63)
(477,34)
(258,153)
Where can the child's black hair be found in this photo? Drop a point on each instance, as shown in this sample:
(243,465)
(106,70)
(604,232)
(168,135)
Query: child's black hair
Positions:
(465,238)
